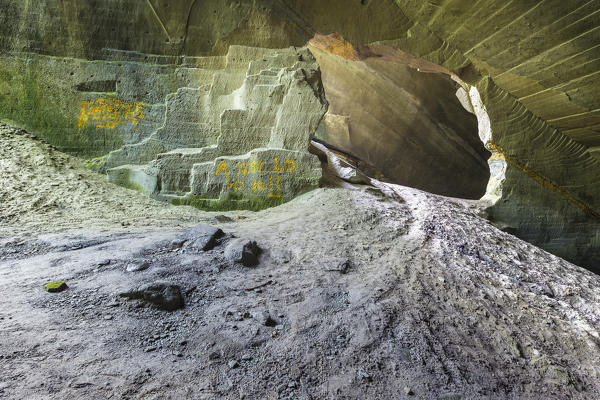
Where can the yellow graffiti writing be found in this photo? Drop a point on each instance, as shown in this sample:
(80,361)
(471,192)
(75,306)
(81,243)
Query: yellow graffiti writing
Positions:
(258,185)
(222,167)
(288,165)
(276,168)
(249,168)
(292,165)
(278,182)
(108,113)
(270,185)
(232,184)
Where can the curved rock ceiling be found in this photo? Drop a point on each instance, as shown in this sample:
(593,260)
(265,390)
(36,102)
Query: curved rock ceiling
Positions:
(534,65)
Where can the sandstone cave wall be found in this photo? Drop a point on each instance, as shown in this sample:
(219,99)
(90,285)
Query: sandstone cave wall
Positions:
(541,55)
(90,29)
(541,194)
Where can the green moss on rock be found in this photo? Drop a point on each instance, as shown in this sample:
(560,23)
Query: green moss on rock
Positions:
(123,179)
(233,201)
(29,96)
(55,287)
(97,164)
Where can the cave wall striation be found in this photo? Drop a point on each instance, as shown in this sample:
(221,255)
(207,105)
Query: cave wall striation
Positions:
(534,65)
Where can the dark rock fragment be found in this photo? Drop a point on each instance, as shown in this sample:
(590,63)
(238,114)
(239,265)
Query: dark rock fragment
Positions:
(223,218)
(201,237)
(264,318)
(177,243)
(243,251)
(164,296)
(342,267)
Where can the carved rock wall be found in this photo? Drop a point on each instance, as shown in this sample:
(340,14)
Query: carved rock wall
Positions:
(242,139)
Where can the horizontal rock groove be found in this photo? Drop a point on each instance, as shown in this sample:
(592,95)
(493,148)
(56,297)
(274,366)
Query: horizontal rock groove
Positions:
(543,181)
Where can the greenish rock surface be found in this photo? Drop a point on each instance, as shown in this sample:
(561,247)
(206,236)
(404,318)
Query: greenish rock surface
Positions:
(55,287)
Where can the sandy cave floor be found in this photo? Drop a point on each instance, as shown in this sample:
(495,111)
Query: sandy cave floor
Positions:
(436,302)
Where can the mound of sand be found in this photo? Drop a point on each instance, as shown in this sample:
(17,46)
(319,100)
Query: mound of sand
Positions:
(43,189)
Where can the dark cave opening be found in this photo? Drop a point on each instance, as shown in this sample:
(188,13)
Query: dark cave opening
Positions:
(417,128)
